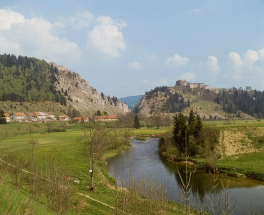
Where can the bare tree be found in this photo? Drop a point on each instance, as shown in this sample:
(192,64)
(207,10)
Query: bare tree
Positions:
(95,144)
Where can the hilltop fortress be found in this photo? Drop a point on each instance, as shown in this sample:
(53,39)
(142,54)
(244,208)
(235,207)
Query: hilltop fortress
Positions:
(183,83)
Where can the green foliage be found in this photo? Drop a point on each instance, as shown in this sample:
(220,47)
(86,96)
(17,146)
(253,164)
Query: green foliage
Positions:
(136,122)
(28,79)
(167,148)
(198,127)
(180,131)
(191,123)
(2,117)
(192,137)
(248,101)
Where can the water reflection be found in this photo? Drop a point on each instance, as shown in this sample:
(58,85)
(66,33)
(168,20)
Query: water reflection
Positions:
(142,159)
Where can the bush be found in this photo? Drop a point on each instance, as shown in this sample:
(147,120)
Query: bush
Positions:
(167,148)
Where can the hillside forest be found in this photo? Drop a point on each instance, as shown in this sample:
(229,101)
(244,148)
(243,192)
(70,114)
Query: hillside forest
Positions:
(24,79)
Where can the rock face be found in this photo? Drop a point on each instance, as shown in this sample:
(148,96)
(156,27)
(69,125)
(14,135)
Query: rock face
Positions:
(82,96)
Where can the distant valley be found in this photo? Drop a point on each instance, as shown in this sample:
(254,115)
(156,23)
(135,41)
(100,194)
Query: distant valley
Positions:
(131,101)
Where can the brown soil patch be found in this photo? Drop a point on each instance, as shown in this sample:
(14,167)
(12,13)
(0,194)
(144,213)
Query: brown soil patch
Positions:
(236,141)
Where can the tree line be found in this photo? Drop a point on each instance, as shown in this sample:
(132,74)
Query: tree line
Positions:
(250,102)
(24,79)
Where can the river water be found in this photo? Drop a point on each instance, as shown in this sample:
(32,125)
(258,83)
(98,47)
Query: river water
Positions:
(142,160)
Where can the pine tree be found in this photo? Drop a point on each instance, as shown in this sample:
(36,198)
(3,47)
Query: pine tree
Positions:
(198,127)
(2,117)
(136,122)
(179,131)
(191,123)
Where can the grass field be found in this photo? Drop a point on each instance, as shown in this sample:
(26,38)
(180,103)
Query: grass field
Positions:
(63,148)
(250,165)
(226,124)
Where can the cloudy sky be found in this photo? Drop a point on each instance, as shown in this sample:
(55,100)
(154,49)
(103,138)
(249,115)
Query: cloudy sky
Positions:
(125,48)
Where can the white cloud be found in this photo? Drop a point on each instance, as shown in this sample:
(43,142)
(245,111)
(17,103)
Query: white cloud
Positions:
(156,83)
(240,68)
(9,17)
(34,37)
(77,21)
(107,37)
(212,65)
(235,59)
(177,61)
(135,65)
(250,57)
(188,76)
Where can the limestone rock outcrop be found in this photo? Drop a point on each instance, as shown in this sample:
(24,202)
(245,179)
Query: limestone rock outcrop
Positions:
(82,96)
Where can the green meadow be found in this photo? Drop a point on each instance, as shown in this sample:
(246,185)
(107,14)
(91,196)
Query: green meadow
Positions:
(64,149)
(31,147)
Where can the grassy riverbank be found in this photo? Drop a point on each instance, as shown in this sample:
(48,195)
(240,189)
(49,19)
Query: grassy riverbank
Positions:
(249,165)
(240,148)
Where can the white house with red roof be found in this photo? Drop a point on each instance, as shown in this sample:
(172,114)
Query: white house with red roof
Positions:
(19,117)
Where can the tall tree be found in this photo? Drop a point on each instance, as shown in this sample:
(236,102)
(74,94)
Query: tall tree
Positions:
(136,122)
(179,131)
(191,123)
(2,117)
(198,127)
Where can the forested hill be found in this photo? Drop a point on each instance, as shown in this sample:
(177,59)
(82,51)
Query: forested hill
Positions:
(217,103)
(26,79)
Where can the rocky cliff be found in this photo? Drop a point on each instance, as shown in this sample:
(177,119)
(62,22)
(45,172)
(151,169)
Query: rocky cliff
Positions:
(82,96)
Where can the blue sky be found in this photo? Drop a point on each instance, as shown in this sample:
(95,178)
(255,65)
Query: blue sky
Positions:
(125,48)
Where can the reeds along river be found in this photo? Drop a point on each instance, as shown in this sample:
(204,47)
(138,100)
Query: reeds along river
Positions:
(142,159)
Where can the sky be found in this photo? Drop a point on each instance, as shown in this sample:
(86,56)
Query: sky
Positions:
(125,48)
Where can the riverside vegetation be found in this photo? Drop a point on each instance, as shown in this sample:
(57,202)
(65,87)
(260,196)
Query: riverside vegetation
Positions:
(232,147)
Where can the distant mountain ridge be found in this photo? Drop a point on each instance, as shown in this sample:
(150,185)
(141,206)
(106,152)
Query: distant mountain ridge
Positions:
(131,101)
(24,79)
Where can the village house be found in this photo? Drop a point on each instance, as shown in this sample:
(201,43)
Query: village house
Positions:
(7,117)
(40,116)
(107,118)
(18,117)
(30,116)
(51,116)
(77,119)
(63,117)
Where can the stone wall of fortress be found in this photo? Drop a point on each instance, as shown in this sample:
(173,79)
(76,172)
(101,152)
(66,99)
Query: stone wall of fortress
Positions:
(189,85)
(184,83)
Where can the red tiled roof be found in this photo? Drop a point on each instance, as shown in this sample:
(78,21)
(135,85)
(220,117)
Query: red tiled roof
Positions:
(106,117)
(63,116)
(29,114)
(19,114)
(6,114)
(77,118)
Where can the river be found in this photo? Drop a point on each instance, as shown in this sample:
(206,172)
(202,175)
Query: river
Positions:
(142,159)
